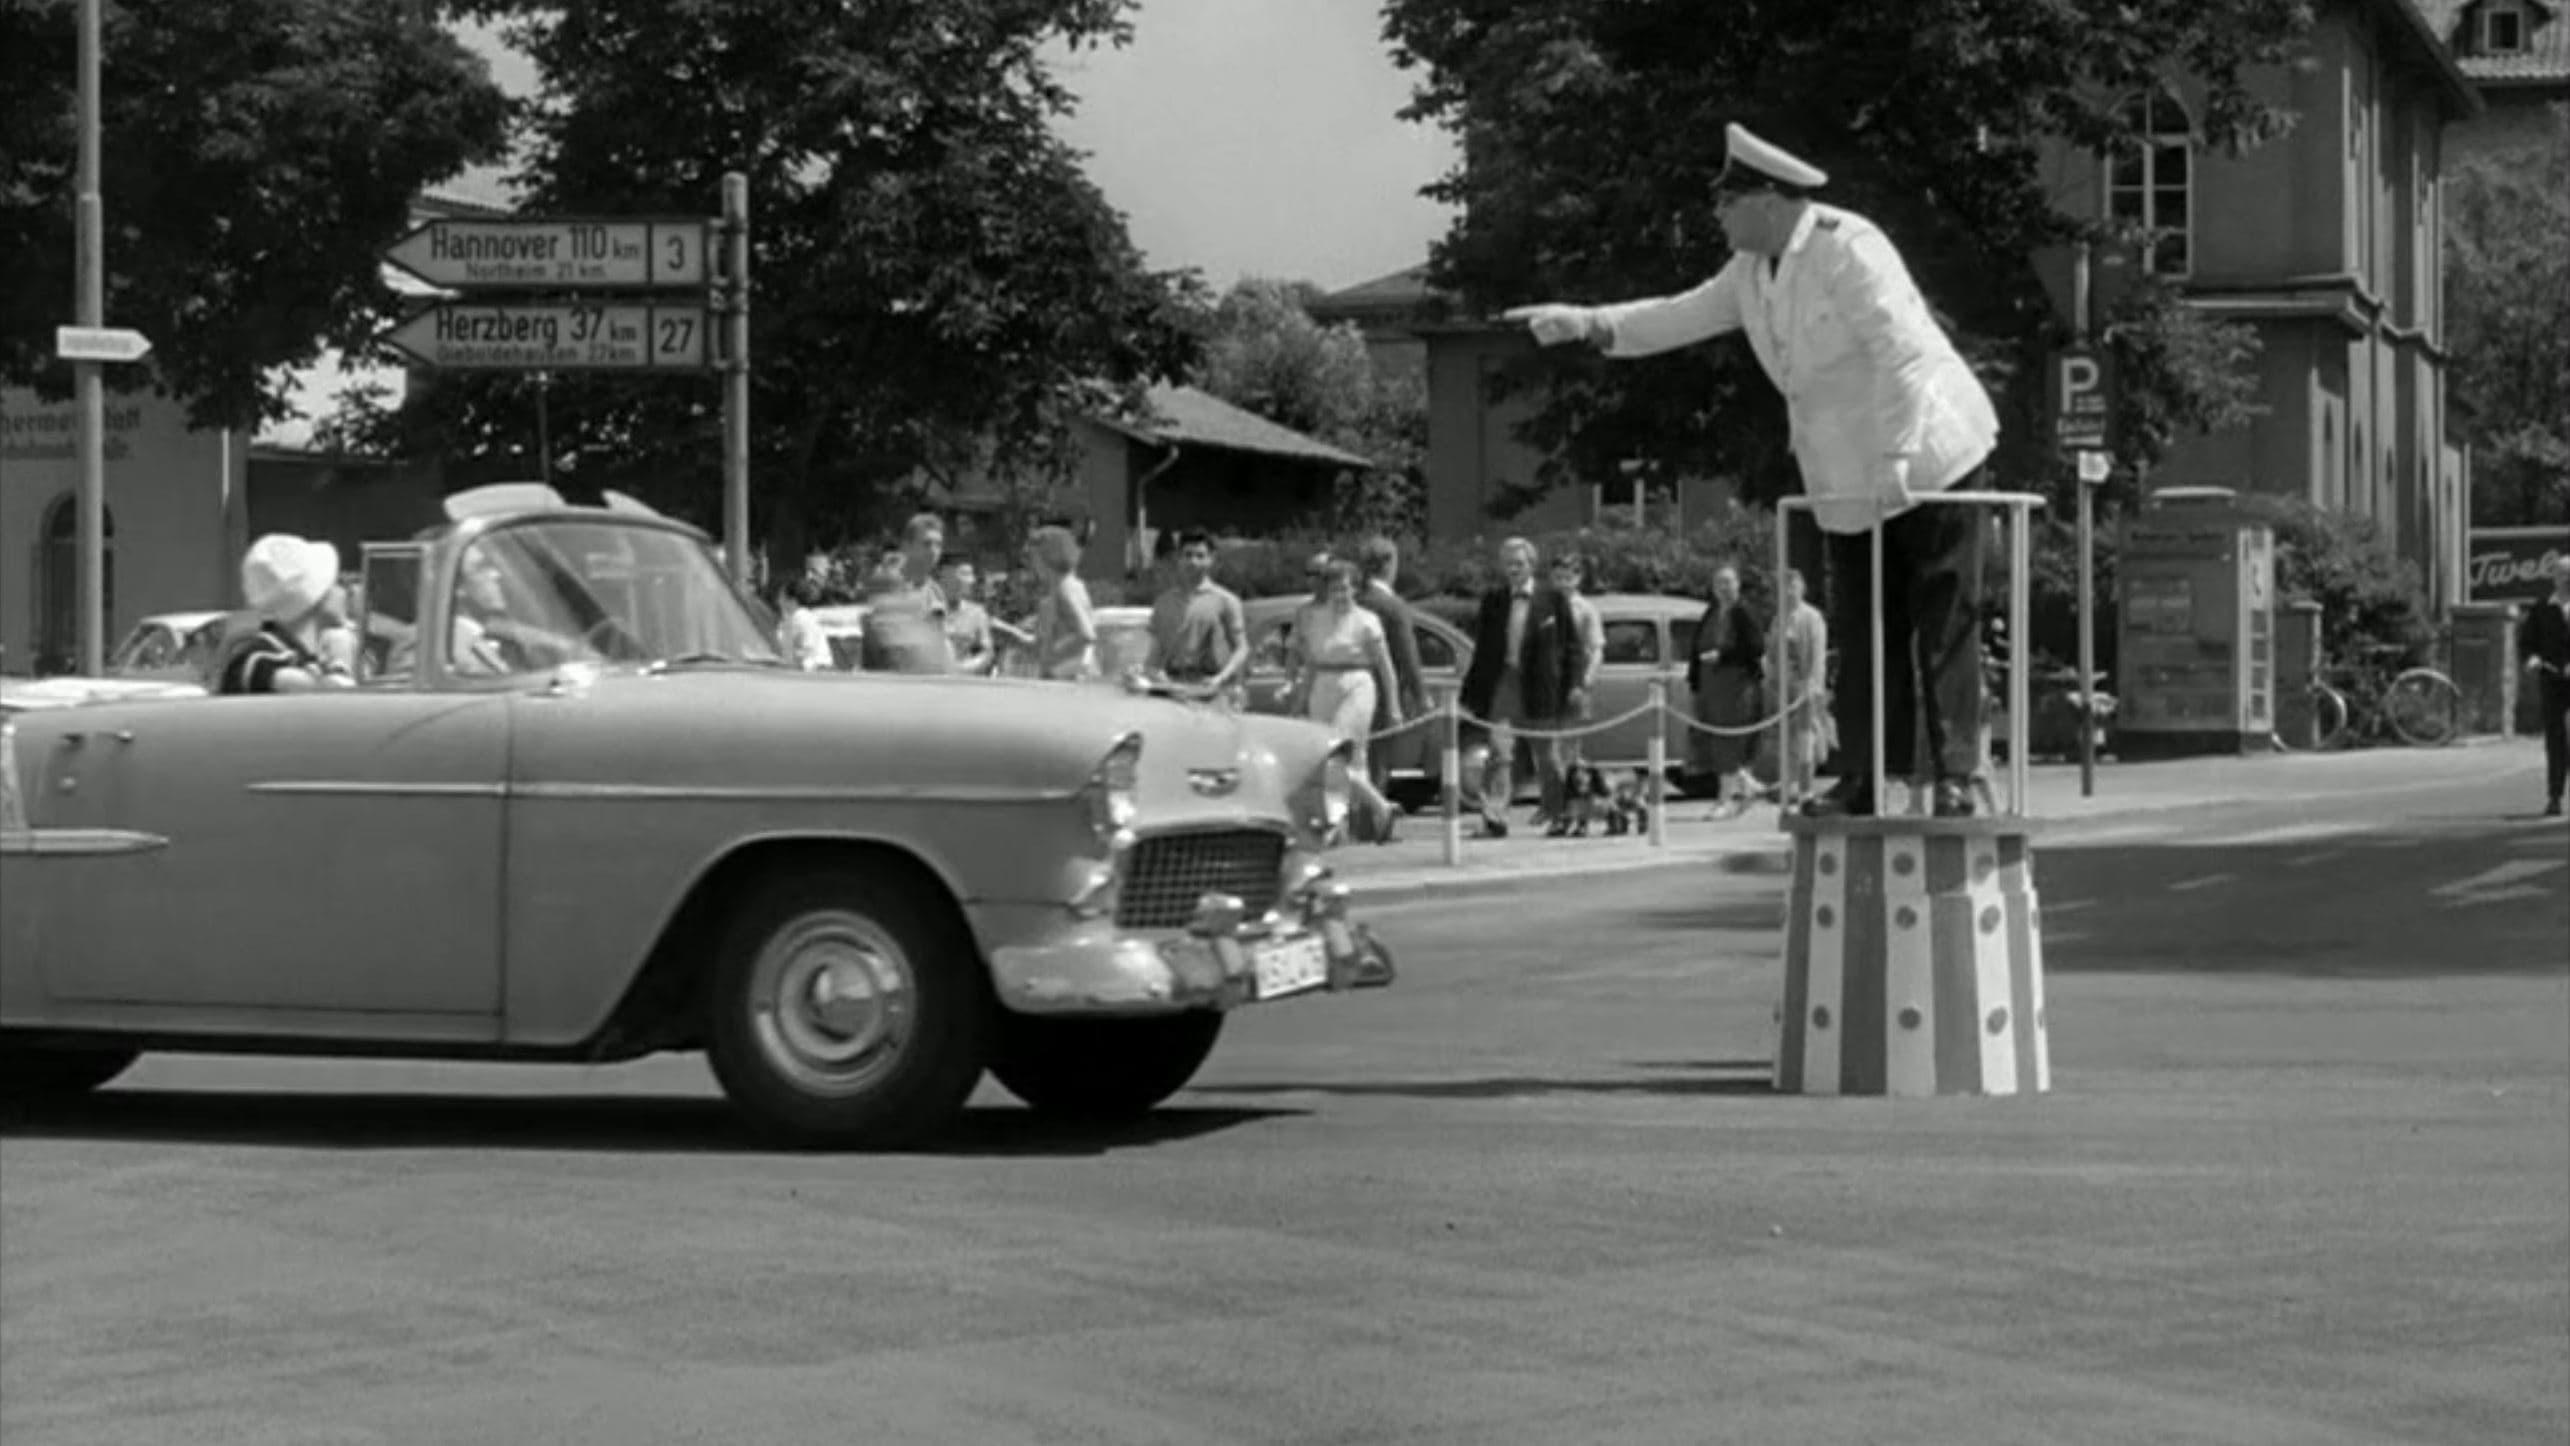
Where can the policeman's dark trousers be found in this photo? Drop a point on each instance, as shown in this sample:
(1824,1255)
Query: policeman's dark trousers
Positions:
(1931,612)
(2555,699)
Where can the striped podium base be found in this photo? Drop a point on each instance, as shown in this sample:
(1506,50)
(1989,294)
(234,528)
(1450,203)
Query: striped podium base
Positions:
(1913,959)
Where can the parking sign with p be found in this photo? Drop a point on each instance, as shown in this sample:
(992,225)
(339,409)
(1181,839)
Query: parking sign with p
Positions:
(2083,394)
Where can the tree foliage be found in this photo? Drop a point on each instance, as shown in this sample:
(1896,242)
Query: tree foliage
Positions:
(1592,132)
(938,286)
(2508,322)
(1265,353)
(255,155)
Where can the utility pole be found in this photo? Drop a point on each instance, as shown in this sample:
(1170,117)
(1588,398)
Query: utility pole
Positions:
(92,275)
(2079,286)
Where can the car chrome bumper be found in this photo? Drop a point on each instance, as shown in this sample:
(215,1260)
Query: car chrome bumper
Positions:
(1211,965)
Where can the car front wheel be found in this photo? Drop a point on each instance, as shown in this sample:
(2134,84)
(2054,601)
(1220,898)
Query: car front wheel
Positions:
(848,1010)
(1101,1069)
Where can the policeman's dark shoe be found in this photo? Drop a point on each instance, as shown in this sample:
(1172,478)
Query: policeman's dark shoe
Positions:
(1954,799)
(1841,803)
(2552,809)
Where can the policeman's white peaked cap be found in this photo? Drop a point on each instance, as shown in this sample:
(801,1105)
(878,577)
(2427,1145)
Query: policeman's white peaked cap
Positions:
(1750,162)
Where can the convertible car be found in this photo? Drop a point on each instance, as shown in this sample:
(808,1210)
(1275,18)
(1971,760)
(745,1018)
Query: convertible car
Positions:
(579,810)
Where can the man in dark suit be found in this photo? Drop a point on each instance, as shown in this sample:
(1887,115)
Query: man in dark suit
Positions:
(1379,559)
(2544,638)
(1526,665)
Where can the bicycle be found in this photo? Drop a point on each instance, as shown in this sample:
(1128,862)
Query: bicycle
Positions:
(2368,700)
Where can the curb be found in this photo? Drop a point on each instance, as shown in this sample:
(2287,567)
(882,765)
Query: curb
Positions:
(1765,853)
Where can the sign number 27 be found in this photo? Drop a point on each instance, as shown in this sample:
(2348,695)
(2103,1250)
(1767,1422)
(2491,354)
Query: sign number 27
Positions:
(677,338)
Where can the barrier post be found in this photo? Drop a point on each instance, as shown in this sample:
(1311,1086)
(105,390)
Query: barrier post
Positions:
(1450,770)
(1913,949)
(1788,783)
(1658,756)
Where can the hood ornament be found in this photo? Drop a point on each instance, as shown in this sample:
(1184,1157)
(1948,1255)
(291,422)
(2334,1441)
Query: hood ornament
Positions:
(1213,782)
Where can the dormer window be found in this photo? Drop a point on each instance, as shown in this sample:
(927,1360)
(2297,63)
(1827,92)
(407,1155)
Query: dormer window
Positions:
(2503,27)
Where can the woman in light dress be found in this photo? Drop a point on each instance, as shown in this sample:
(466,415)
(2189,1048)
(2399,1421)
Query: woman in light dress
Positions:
(798,632)
(1339,666)
(1065,626)
(1810,735)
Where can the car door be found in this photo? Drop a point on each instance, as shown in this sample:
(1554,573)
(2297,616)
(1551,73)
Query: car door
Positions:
(295,855)
(1636,653)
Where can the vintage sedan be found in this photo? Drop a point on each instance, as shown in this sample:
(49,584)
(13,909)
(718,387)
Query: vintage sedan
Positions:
(581,811)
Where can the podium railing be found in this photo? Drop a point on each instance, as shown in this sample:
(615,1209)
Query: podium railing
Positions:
(2020,507)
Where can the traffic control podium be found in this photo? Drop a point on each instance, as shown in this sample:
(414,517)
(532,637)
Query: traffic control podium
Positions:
(1913,950)
(1913,959)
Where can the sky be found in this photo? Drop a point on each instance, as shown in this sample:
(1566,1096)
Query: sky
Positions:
(1244,137)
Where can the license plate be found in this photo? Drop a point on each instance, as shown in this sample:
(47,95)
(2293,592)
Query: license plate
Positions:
(1291,966)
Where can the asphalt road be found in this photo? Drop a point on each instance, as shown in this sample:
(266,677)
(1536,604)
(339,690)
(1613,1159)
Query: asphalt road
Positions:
(2302,1179)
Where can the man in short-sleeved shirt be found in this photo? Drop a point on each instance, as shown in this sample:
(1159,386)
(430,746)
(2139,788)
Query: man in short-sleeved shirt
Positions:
(905,628)
(1199,635)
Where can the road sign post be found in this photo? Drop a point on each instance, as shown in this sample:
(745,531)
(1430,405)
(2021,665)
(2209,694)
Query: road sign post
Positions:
(2083,398)
(736,375)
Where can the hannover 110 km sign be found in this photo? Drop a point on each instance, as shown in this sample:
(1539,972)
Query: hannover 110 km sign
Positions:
(553,255)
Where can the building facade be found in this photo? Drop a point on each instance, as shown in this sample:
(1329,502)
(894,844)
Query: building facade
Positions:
(2327,241)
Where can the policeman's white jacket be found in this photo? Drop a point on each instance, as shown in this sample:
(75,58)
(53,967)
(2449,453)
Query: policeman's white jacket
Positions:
(1879,398)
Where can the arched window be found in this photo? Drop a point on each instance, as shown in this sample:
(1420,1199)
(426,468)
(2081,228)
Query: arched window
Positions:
(58,584)
(2150,182)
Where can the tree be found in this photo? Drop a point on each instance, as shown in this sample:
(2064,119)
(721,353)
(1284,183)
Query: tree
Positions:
(255,155)
(1266,354)
(938,287)
(2508,322)
(1592,133)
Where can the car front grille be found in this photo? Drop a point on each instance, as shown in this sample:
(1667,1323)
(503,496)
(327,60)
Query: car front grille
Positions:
(1166,873)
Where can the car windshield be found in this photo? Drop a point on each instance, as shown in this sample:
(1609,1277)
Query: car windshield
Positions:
(541,594)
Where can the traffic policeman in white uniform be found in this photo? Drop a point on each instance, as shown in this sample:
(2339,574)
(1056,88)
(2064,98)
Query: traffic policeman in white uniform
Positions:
(1883,410)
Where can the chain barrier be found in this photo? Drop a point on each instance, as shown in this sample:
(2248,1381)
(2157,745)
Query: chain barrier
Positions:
(1587,730)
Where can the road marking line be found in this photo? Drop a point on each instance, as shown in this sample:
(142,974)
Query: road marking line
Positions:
(2509,880)
(2287,833)
(2206,882)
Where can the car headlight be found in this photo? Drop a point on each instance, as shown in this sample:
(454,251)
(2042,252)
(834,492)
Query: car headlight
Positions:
(1338,787)
(1111,792)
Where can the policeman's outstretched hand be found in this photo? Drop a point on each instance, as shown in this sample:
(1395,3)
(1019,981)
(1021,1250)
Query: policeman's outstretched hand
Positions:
(1552,323)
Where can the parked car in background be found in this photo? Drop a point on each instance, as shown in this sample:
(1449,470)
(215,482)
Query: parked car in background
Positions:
(1414,755)
(588,813)
(1646,637)
(169,647)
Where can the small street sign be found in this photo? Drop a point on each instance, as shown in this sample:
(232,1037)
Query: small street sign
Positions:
(553,253)
(559,336)
(100,344)
(2083,396)
(2095,467)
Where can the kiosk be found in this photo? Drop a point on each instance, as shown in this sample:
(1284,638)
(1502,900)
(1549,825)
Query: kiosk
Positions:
(1913,944)
(2196,628)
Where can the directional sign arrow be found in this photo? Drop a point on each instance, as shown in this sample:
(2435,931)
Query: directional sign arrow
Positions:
(100,344)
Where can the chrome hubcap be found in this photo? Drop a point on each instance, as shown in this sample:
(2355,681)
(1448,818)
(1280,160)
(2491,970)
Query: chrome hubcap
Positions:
(834,1002)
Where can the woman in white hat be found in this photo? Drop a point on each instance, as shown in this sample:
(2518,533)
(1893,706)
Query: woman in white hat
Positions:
(291,584)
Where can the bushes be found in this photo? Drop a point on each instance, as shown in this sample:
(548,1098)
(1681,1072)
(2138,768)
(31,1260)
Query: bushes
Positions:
(2366,591)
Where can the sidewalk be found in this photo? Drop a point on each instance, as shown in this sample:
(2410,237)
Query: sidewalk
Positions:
(1414,865)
